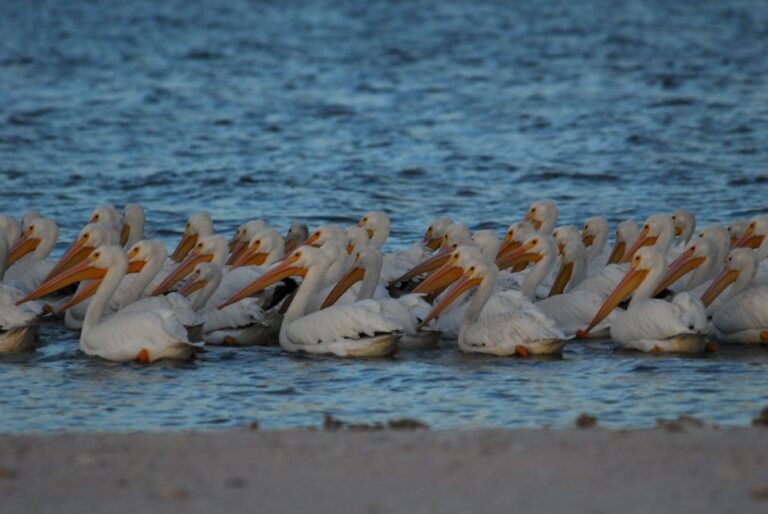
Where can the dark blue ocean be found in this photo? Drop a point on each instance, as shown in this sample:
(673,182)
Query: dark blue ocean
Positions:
(319,111)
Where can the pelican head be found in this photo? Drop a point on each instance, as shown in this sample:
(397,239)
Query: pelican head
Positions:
(197,226)
(376,224)
(754,234)
(684,223)
(514,236)
(133,224)
(297,234)
(433,237)
(266,247)
(626,236)
(91,236)
(94,267)
(740,268)
(658,230)
(542,214)
(472,273)
(39,240)
(207,249)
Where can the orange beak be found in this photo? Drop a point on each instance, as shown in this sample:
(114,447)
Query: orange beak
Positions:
(643,240)
(588,240)
(192,286)
(464,283)
(290,245)
(188,241)
(726,278)
(520,255)
(562,279)
(682,265)
(25,244)
(617,253)
(78,273)
(626,287)
(283,270)
(531,218)
(749,239)
(181,271)
(125,232)
(236,251)
(251,256)
(507,245)
(75,254)
(426,266)
(354,275)
(439,280)
(90,289)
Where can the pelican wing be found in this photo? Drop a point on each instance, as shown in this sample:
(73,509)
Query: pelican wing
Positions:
(513,328)
(173,302)
(574,311)
(500,303)
(654,320)
(745,311)
(240,314)
(603,282)
(13,316)
(123,336)
(28,275)
(365,318)
(398,263)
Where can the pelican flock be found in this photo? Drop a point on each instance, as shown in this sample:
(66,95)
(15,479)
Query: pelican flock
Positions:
(658,286)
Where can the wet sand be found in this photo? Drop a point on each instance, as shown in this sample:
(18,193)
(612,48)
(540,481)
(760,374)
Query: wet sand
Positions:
(594,470)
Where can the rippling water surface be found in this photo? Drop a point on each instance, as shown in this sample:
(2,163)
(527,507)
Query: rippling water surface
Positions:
(322,110)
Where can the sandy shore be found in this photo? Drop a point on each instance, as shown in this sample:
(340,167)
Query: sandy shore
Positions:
(594,470)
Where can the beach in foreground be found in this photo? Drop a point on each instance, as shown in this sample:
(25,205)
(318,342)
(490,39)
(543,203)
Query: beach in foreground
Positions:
(680,468)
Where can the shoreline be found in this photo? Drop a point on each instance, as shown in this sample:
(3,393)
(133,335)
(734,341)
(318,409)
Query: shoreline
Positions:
(679,467)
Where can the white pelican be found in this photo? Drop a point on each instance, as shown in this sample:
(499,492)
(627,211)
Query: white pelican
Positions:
(658,231)
(132,230)
(453,236)
(376,224)
(206,249)
(503,300)
(685,223)
(28,262)
(594,235)
(408,309)
(242,323)
(736,229)
(243,236)
(145,336)
(9,229)
(523,333)
(742,316)
(18,324)
(569,311)
(626,236)
(198,226)
(28,218)
(297,234)
(356,330)
(755,237)
(653,325)
(543,216)
(145,260)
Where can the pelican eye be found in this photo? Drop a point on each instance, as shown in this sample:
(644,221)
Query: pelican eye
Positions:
(730,259)
(535,242)
(646,227)
(85,237)
(533,209)
(96,255)
(96,217)
(674,217)
(471,269)
(298,255)
(365,220)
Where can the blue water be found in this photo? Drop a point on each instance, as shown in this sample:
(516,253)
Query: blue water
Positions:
(319,111)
